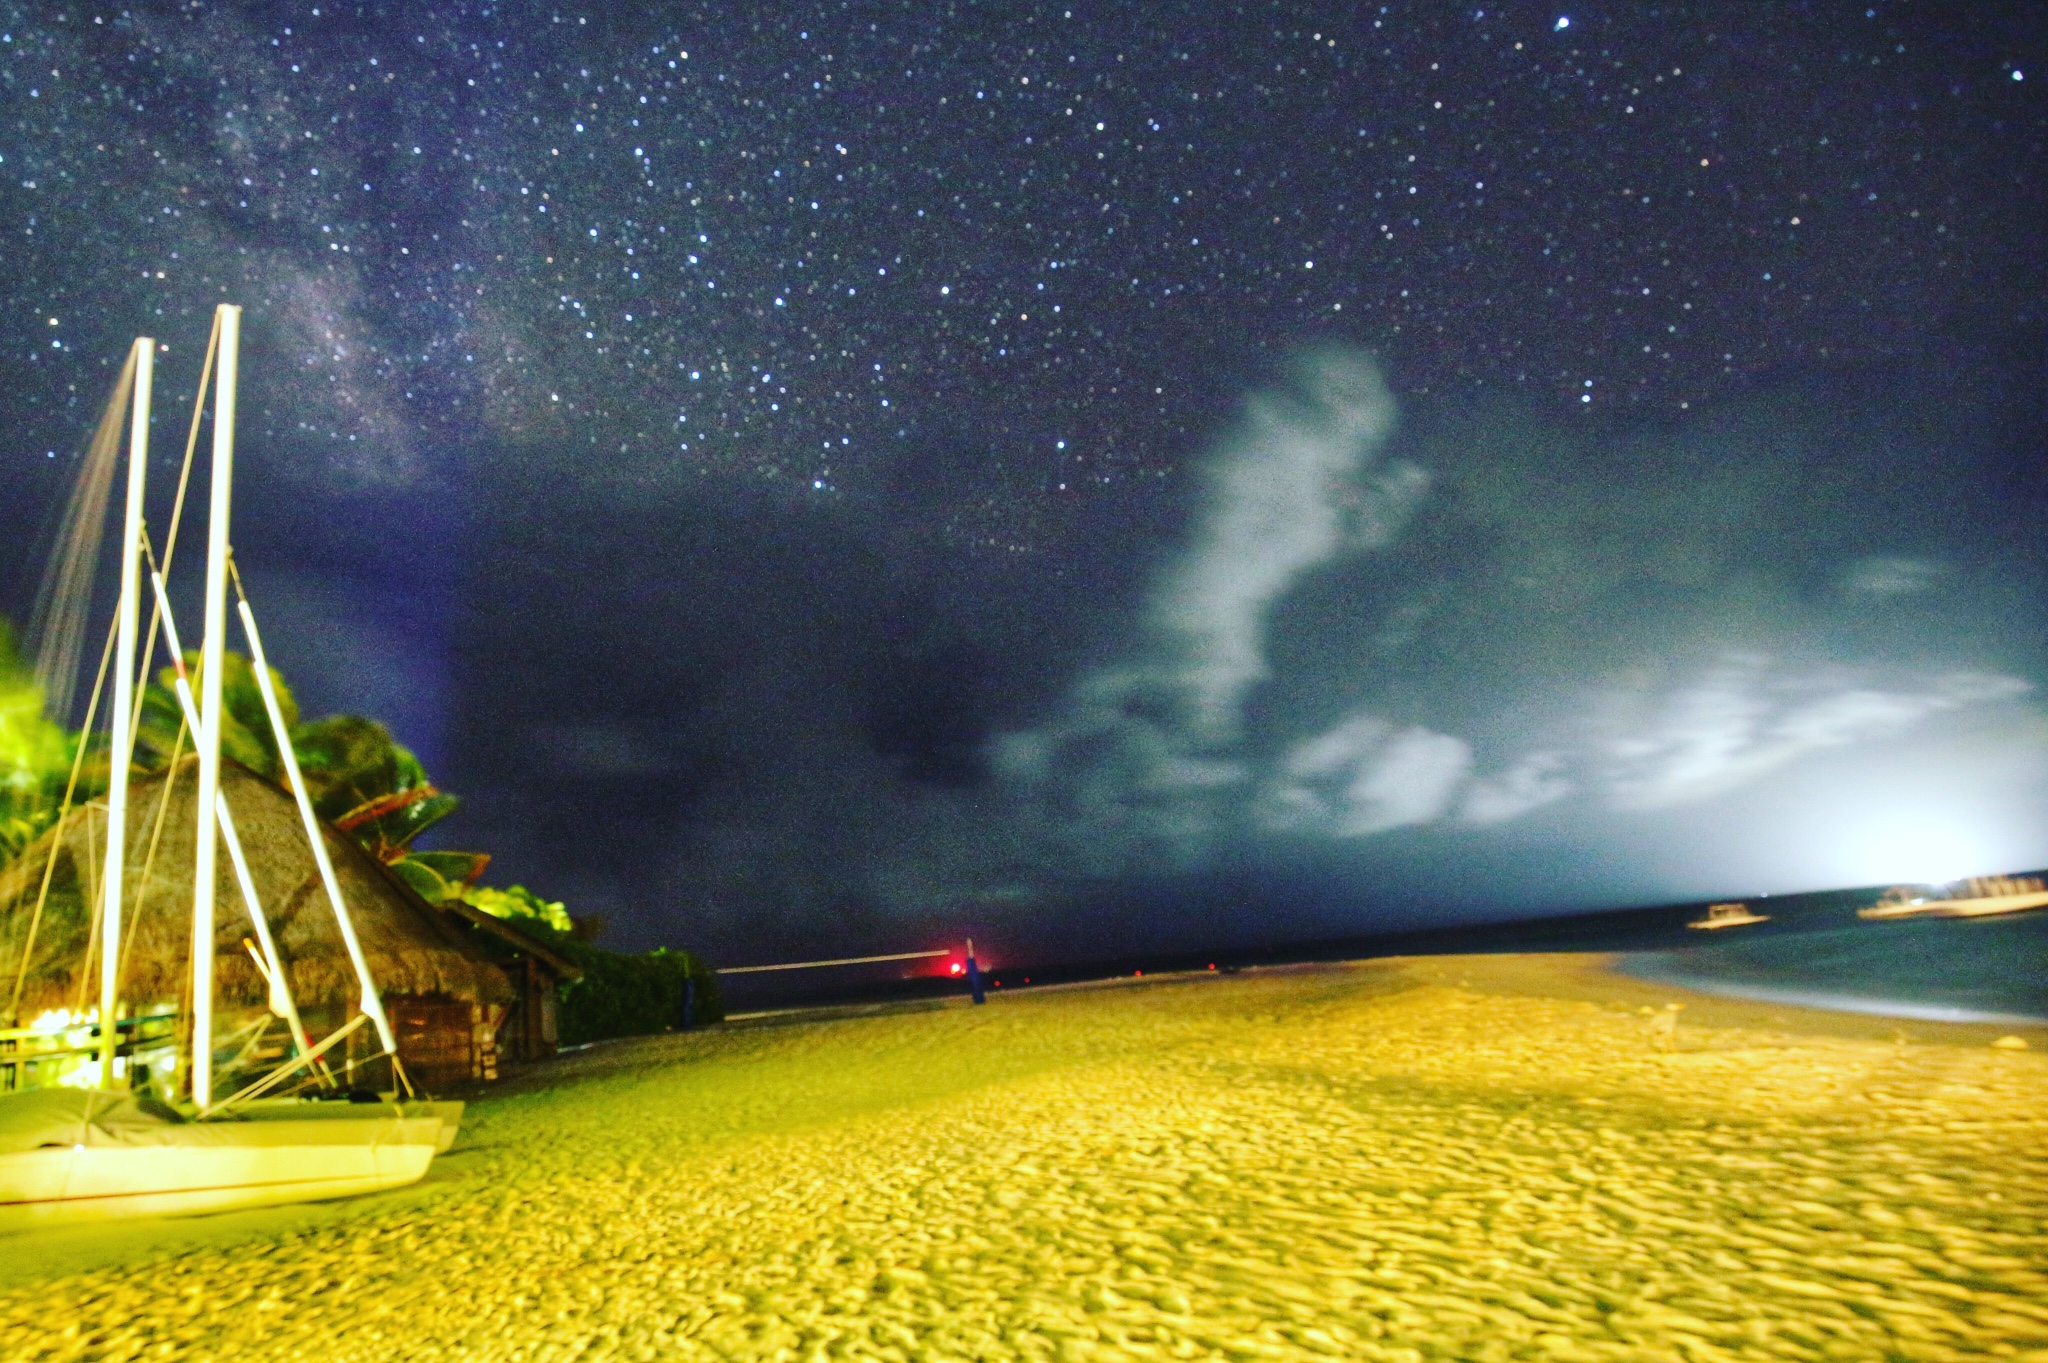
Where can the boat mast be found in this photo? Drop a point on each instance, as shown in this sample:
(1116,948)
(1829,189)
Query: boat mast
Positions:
(372,1002)
(212,649)
(123,729)
(281,1003)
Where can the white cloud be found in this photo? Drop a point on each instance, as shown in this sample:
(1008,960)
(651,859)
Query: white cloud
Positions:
(1363,777)
(1747,716)
(1411,782)
(1147,766)
(1533,782)
(1881,577)
(1284,494)
(1144,762)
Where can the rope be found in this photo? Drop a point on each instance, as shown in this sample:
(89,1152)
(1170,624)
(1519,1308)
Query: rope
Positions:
(106,658)
(122,387)
(177,515)
(278,1076)
(156,609)
(163,802)
(250,1036)
(99,910)
(163,805)
(57,834)
(846,960)
(185,986)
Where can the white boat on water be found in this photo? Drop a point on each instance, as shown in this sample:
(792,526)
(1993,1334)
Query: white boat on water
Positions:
(1977,897)
(70,1154)
(1728,916)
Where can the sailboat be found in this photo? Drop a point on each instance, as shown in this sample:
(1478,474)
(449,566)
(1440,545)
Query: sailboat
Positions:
(110,1151)
(1977,897)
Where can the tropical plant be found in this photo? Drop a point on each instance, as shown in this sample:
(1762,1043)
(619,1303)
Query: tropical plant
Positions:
(360,779)
(35,756)
(245,733)
(518,903)
(621,994)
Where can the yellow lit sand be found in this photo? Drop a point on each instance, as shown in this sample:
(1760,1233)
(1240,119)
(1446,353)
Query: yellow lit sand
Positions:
(1471,1159)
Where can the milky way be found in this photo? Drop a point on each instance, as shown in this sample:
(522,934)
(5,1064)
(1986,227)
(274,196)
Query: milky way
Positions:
(762,246)
(979,292)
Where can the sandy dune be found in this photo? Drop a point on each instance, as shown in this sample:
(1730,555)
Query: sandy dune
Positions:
(1469,1158)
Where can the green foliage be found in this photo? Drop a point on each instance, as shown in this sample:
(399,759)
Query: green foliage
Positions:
(622,995)
(360,779)
(35,756)
(245,733)
(438,877)
(368,785)
(348,759)
(517,902)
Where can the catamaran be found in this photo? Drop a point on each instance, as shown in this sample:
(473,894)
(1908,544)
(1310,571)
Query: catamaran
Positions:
(72,1154)
(1977,897)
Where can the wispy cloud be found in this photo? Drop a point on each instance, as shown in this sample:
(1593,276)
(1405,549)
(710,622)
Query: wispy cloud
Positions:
(1145,764)
(1536,780)
(1362,777)
(1148,767)
(1747,715)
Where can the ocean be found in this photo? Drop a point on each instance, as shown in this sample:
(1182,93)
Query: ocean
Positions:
(1933,969)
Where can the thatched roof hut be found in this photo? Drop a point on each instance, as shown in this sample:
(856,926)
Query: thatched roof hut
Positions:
(413,949)
(532,1026)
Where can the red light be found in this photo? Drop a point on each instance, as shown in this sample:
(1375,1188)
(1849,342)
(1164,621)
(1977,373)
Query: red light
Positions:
(1212,965)
(1137,972)
(956,967)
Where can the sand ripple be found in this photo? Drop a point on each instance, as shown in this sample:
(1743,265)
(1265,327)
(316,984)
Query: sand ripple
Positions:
(1372,1163)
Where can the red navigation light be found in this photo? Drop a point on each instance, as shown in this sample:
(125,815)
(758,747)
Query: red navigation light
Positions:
(1212,965)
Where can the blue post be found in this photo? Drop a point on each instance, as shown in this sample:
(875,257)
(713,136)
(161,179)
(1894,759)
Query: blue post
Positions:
(689,1003)
(974,975)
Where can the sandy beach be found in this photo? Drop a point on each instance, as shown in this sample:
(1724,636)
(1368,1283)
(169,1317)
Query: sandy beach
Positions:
(1469,1158)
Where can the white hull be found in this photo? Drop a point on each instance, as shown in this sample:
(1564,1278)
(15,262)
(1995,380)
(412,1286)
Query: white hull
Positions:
(198,1167)
(1986,907)
(448,1113)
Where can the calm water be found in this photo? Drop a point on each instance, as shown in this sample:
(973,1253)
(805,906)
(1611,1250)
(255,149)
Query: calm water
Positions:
(1945,969)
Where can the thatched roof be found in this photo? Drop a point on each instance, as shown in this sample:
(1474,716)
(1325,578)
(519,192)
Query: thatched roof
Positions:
(517,942)
(413,949)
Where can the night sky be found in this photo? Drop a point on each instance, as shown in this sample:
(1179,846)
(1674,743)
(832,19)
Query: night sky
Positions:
(843,476)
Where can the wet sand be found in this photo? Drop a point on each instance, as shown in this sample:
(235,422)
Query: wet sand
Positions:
(1468,1158)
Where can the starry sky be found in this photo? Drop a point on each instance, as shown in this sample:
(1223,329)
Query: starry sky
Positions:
(825,474)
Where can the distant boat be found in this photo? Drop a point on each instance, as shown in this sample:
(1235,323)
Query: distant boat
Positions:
(1728,916)
(1977,897)
(109,1151)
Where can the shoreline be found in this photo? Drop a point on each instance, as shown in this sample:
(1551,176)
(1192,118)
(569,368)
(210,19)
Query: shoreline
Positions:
(1614,978)
(1655,967)
(1484,1157)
